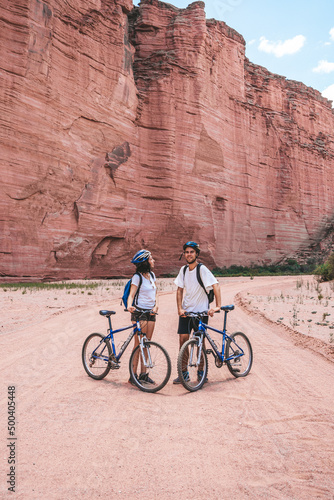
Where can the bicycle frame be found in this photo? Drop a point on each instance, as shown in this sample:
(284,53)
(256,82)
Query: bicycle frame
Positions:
(203,329)
(136,330)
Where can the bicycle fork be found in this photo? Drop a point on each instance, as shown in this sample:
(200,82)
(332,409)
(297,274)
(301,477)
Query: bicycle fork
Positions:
(147,361)
(199,353)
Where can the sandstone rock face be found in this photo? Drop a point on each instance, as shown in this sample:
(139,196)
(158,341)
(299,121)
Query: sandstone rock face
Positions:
(125,127)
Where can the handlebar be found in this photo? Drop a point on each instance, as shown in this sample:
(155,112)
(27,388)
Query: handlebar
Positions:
(205,313)
(191,314)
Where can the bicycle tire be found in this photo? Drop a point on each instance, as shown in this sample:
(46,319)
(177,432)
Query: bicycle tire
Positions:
(239,367)
(157,375)
(188,369)
(96,366)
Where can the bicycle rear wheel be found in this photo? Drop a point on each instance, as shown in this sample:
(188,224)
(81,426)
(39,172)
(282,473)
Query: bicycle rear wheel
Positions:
(155,375)
(192,365)
(95,356)
(240,348)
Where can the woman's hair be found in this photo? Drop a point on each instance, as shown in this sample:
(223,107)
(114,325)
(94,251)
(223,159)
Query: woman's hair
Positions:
(143,267)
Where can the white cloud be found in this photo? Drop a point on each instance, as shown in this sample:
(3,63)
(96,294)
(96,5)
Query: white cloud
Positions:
(331,33)
(329,93)
(251,42)
(324,67)
(280,48)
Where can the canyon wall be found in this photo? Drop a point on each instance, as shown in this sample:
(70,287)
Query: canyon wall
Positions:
(124,128)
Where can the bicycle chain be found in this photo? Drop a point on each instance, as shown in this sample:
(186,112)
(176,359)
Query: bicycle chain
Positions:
(114,365)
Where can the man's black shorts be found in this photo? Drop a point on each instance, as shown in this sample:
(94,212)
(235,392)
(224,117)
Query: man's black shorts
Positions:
(186,324)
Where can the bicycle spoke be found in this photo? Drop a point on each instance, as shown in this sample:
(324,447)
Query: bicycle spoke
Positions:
(192,365)
(150,371)
(240,351)
(95,356)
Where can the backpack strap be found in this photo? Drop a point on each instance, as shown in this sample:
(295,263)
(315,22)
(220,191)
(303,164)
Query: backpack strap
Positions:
(199,279)
(135,298)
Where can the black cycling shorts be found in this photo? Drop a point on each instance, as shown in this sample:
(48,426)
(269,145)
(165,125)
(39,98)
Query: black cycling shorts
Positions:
(142,316)
(186,324)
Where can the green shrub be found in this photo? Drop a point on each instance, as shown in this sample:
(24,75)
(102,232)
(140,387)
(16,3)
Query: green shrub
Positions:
(290,267)
(325,271)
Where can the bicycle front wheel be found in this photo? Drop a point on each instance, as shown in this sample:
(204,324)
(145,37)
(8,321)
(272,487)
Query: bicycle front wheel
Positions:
(95,356)
(151,370)
(240,350)
(192,365)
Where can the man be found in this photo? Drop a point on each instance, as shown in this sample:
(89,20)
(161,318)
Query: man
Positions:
(195,298)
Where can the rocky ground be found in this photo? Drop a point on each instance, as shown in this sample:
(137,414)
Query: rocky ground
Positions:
(268,435)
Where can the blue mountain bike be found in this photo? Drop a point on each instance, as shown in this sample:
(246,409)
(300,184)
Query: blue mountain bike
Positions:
(192,364)
(99,356)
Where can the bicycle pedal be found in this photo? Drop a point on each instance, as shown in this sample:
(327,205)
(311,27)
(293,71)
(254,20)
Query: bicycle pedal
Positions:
(114,367)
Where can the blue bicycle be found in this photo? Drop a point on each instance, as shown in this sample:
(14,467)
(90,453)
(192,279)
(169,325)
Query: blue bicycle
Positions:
(192,364)
(99,356)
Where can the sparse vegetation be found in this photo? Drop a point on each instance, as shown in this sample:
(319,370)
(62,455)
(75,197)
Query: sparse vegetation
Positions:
(47,286)
(325,272)
(290,267)
(299,283)
(310,293)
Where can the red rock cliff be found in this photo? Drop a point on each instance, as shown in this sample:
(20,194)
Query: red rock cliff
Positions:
(124,128)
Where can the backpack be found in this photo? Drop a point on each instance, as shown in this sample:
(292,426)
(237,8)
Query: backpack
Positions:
(126,291)
(209,295)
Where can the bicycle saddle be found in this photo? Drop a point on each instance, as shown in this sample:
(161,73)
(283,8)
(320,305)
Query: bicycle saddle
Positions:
(227,308)
(107,313)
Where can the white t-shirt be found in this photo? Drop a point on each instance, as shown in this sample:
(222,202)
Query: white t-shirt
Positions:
(147,292)
(194,297)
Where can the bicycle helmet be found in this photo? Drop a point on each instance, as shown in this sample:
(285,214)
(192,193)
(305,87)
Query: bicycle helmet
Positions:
(192,244)
(141,256)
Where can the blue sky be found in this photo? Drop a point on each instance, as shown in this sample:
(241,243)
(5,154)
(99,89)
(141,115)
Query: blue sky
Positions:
(292,38)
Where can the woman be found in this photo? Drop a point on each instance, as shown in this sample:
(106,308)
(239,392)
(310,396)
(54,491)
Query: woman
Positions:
(143,294)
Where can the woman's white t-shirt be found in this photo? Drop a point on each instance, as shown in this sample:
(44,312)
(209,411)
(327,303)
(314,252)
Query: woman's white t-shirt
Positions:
(147,292)
(194,298)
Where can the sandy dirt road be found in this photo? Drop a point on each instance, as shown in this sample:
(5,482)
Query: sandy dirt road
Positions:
(269,435)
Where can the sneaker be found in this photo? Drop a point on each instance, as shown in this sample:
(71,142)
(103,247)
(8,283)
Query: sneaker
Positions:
(185,376)
(200,376)
(143,377)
